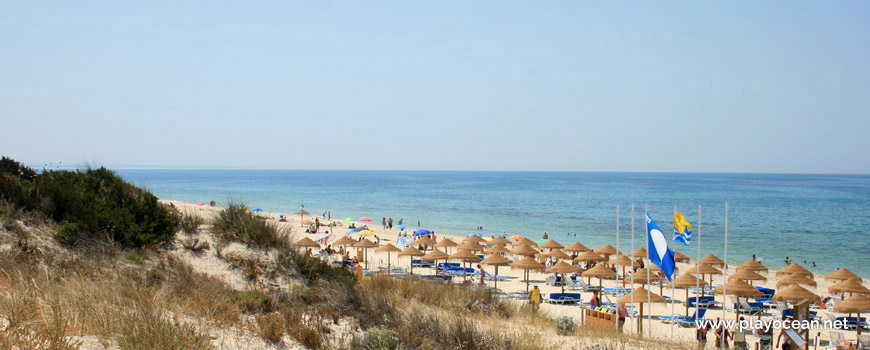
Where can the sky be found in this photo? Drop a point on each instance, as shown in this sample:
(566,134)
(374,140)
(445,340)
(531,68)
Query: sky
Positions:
(738,86)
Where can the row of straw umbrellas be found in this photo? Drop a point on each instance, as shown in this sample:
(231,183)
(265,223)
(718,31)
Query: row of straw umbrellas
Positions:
(794,276)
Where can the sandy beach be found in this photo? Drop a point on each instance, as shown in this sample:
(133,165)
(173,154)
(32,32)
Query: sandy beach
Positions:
(656,328)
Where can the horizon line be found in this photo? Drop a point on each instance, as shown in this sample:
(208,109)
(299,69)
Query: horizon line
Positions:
(209,168)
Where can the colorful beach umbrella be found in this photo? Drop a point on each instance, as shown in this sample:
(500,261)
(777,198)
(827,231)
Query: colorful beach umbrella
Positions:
(349,219)
(474,234)
(401,227)
(282,214)
(365,218)
(517,237)
(200,204)
(257,210)
(422,232)
(366,232)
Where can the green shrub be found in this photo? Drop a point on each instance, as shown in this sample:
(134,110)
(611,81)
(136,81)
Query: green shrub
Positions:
(565,325)
(253,301)
(93,204)
(236,223)
(381,339)
(135,258)
(190,223)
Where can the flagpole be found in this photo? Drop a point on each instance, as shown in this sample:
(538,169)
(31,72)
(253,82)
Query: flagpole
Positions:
(725,269)
(672,289)
(698,264)
(616,324)
(632,261)
(648,252)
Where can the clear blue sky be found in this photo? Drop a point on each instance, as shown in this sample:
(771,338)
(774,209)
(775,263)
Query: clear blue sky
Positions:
(742,86)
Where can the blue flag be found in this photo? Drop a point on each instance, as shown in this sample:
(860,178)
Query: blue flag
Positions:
(659,253)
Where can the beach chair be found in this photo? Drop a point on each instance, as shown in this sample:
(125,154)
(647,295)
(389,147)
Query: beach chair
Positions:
(864,342)
(694,319)
(554,281)
(766,292)
(753,309)
(832,302)
(583,287)
(837,338)
(564,298)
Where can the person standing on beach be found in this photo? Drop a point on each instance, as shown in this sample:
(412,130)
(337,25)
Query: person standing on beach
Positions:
(390,223)
(418,223)
(384,222)
(739,336)
(482,274)
(535,299)
(400,221)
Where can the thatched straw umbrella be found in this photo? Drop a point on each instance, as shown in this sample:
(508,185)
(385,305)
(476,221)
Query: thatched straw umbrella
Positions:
(606,251)
(556,253)
(471,246)
(621,260)
(640,276)
(794,269)
(563,268)
(496,260)
(739,289)
(746,275)
(751,265)
(423,242)
(706,269)
(524,250)
(680,257)
(849,286)
(796,293)
(587,256)
(306,242)
(842,275)
(474,239)
(641,296)
(525,241)
(464,256)
(435,255)
(500,240)
(301,214)
(686,281)
(412,252)
(446,243)
(791,280)
(576,247)
(600,272)
(497,249)
(344,241)
(551,244)
(856,303)
(712,260)
(528,263)
(639,253)
(388,248)
(365,244)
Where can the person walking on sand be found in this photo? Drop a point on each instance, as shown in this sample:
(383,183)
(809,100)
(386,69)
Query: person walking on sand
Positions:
(390,223)
(722,335)
(384,222)
(535,299)
(701,335)
(623,312)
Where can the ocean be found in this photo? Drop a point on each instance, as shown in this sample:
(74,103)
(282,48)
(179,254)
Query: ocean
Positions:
(814,218)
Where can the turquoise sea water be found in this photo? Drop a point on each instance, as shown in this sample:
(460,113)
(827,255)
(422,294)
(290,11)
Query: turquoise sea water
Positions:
(821,218)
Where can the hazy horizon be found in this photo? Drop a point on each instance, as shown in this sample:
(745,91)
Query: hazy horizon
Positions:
(737,87)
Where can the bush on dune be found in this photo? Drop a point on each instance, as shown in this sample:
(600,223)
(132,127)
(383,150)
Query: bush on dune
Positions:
(237,223)
(93,204)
